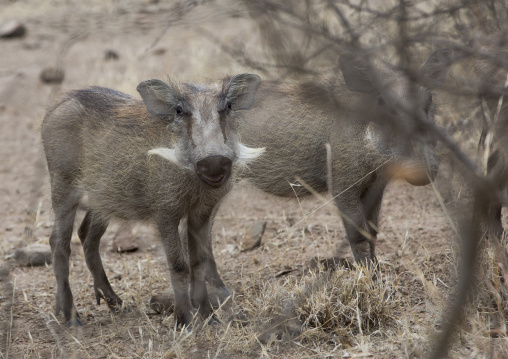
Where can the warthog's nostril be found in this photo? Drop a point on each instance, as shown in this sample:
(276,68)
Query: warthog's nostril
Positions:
(214,170)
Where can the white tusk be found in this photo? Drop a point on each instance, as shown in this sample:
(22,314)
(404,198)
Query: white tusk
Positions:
(247,154)
(166,153)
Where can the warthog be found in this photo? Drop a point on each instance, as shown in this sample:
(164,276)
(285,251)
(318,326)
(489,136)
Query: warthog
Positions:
(375,127)
(164,159)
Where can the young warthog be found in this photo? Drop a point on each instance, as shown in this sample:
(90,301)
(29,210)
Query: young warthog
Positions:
(375,127)
(162,160)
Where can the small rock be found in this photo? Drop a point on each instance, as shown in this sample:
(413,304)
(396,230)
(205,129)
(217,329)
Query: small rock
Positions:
(33,255)
(12,29)
(253,237)
(4,272)
(124,240)
(159,51)
(111,55)
(51,75)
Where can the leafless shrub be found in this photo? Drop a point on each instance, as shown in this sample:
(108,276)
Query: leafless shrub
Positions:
(303,42)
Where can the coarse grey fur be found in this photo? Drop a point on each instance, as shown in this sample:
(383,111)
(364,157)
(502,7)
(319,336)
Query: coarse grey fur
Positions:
(372,130)
(162,160)
(373,134)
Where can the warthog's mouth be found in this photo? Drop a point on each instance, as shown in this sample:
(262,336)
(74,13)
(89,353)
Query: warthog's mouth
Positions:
(214,170)
(214,181)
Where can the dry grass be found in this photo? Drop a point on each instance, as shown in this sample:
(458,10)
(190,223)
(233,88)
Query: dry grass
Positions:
(346,303)
(304,314)
(488,312)
(321,312)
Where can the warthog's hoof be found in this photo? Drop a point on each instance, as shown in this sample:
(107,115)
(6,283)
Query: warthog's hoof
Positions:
(115,304)
(184,320)
(71,316)
(75,322)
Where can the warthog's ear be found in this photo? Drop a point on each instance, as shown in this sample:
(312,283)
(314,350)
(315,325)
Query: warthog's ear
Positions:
(356,73)
(159,97)
(433,70)
(240,91)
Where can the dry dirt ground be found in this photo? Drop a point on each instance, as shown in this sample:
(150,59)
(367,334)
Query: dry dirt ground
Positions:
(416,244)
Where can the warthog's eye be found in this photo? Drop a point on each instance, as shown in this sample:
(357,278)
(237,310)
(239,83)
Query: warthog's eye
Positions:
(225,107)
(380,101)
(179,110)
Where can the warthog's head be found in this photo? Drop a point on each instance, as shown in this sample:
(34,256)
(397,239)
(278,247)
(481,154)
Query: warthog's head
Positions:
(203,120)
(402,113)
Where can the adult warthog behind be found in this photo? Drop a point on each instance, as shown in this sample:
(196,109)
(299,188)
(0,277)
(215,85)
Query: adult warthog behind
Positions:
(377,125)
(164,159)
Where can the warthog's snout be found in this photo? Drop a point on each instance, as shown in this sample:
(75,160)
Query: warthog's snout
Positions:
(214,170)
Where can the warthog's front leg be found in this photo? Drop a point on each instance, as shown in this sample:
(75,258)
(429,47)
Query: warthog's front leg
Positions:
(211,274)
(360,213)
(218,292)
(178,268)
(199,233)
(358,234)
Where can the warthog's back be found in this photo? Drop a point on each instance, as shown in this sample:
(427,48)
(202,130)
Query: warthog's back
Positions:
(102,146)
(65,124)
(294,122)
